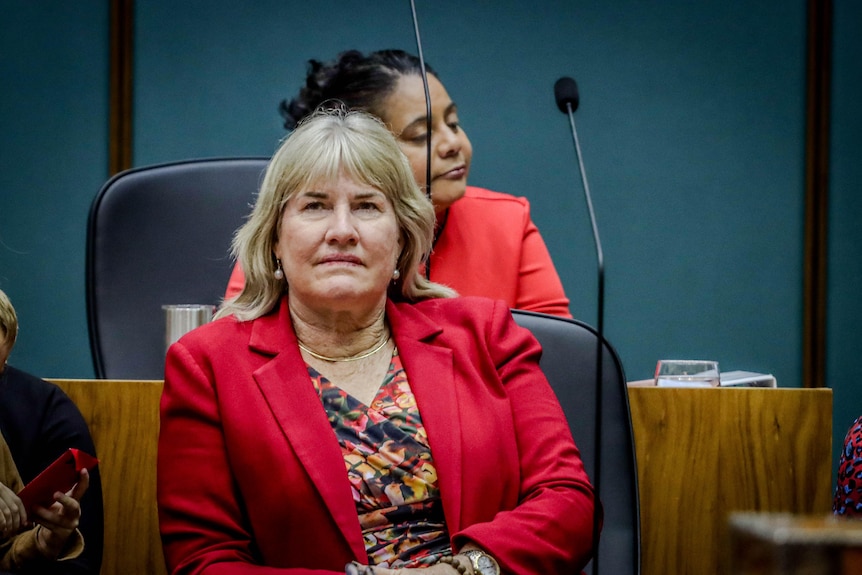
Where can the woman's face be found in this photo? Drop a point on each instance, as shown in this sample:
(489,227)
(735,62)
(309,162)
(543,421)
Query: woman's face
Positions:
(451,151)
(338,243)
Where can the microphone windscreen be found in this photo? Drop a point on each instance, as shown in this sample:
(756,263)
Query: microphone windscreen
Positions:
(566,92)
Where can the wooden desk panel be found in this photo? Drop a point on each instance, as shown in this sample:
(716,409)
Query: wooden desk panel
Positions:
(123,417)
(703,453)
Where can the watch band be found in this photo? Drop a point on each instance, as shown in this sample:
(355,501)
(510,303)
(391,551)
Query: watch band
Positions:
(483,564)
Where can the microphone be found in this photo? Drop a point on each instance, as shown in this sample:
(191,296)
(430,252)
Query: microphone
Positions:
(567,97)
(566,94)
(427,124)
(427,100)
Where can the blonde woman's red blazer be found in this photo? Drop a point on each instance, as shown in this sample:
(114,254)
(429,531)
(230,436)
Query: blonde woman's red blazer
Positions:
(251,479)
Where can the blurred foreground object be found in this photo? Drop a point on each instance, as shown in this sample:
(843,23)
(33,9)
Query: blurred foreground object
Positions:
(785,544)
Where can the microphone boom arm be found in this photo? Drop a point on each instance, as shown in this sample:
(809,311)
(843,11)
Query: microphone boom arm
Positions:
(597,450)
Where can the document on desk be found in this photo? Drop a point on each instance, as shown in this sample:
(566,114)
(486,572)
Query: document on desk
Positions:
(747,379)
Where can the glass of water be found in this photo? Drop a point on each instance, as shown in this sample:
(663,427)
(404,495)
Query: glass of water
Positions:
(687,373)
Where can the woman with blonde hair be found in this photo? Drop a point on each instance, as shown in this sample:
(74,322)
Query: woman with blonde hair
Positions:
(343,414)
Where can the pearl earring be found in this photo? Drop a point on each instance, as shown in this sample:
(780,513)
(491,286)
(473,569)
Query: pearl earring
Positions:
(279,273)
(395,275)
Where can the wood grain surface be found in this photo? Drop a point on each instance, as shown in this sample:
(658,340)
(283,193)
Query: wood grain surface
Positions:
(124,421)
(704,453)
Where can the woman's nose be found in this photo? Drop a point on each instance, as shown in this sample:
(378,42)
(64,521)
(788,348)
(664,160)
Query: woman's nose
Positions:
(342,227)
(448,142)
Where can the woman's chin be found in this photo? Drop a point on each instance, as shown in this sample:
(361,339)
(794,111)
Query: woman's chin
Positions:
(444,196)
(345,295)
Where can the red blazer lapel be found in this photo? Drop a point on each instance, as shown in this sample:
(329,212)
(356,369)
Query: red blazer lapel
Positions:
(430,372)
(285,384)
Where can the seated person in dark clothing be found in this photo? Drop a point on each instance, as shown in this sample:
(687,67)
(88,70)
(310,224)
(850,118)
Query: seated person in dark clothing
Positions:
(38,423)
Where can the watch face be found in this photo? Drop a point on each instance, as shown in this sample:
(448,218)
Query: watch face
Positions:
(486,566)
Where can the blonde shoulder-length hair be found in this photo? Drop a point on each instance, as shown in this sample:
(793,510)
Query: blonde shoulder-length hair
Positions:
(326,144)
(8,322)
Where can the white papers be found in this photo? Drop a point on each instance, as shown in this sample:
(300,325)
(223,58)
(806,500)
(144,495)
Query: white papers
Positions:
(747,379)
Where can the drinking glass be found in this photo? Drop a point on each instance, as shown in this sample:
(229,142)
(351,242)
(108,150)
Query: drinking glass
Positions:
(687,373)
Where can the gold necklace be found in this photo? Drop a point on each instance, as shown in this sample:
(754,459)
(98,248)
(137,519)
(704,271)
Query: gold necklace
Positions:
(344,359)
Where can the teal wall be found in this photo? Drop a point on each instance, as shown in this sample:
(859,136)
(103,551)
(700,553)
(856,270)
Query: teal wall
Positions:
(691,122)
(692,125)
(844,313)
(53,158)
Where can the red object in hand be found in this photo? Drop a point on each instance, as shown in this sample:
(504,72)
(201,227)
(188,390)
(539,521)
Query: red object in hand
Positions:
(61,475)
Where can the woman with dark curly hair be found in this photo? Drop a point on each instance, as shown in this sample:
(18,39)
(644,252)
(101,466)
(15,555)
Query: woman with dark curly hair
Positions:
(485,243)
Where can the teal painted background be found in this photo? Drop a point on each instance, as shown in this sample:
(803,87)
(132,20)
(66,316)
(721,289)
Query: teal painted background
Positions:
(53,158)
(844,311)
(691,122)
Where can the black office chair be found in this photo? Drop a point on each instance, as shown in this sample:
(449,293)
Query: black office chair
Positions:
(160,235)
(569,362)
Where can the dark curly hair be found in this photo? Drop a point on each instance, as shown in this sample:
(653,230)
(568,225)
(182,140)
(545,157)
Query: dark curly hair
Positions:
(357,81)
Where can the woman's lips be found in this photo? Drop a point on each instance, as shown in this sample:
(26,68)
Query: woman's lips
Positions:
(455,173)
(341,259)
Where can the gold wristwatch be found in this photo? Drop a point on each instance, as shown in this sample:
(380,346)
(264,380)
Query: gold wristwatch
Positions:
(483,564)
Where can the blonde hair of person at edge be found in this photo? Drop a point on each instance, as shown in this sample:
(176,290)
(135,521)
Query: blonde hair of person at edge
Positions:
(485,242)
(42,542)
(345,415)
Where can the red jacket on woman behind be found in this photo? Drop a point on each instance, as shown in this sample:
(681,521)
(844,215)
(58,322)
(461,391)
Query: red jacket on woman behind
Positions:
(250,473)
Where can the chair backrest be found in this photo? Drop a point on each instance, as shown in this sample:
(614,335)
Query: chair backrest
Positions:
(160,235)
(569,362)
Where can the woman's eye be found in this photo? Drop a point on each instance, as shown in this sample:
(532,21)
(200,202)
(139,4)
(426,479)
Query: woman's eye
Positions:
(312,206)
(454,126)
(368,206)
(419,139)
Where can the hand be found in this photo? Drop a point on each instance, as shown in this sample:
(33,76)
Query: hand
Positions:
(13,516)
(61,519)
(436,569)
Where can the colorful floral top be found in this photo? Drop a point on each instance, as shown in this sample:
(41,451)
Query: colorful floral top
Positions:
(848,492)
(391,473)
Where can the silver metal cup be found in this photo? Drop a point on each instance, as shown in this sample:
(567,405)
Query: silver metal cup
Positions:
(182,318)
